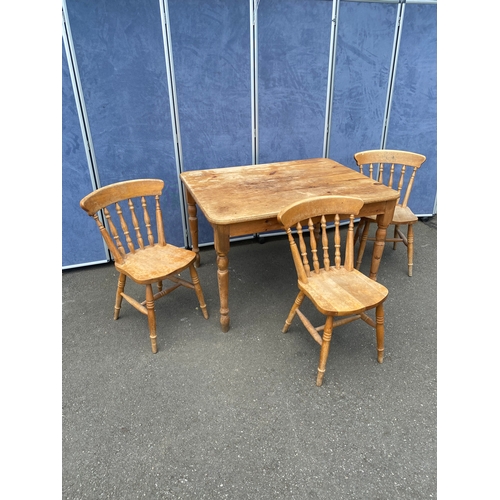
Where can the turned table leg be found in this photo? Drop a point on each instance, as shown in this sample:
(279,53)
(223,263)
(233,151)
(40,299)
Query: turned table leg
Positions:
(221,237)
(383,221)
(193,227)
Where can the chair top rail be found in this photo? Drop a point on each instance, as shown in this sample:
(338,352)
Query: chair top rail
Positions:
(119,191)
(316,206)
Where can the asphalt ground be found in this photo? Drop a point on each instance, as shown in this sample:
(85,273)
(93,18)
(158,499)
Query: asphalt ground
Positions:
(237,415)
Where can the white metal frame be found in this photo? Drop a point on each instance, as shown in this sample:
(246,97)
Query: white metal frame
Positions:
(174,114)
(392,73)
(254,87)
(331,77)
(83,119)
(79,99)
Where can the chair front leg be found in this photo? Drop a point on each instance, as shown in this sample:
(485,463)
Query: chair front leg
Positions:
(379,329)
(359,230)
(293,311)
(150,306)
(362,245)
(118,300)
(325,349)
(396,235)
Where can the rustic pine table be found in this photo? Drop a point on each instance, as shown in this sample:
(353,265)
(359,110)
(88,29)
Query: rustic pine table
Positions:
(246,200)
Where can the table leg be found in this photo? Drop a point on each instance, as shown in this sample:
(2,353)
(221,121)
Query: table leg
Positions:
(221,237)
(383,221)
(193,227)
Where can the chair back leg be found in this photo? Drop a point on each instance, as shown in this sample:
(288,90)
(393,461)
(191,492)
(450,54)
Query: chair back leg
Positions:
(410,240)
(325,349)
(119,290)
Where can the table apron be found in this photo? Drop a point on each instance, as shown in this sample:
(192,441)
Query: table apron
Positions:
(272,224)
(256,226)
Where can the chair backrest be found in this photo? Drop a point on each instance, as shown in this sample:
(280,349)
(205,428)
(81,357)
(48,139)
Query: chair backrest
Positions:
(393,166)
(314,214)
(117,218)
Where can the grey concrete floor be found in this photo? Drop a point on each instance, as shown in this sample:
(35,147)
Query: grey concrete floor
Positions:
(237,415)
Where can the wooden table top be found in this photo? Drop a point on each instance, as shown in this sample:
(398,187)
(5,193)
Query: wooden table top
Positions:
(240,194)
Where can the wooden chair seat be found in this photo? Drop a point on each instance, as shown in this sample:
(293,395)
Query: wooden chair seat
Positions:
(157,263)
(338,291)
(402,215)
(138,245)
(397,170)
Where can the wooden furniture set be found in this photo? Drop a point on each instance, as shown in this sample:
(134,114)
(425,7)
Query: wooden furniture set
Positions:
(150,260)
(312,195)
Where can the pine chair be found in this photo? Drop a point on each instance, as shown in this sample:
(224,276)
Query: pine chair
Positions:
(399,163)
(145,262)
(340,292)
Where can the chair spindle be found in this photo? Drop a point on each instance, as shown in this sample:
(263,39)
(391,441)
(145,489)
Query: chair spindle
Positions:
(324,236)
(159,223)
(349,246)
(409,188)
(401,178)
(391,175)
(135,223)
(314,246)
(114,232)
(147,221)
(337,242)
(124,227)
(303,250)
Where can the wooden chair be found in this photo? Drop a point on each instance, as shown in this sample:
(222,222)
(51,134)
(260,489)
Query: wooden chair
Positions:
(399,164)
(339,291)
(145,262)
